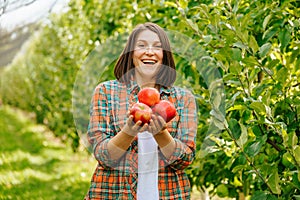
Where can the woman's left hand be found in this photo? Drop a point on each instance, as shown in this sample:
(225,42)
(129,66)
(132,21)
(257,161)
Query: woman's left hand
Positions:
(157,124)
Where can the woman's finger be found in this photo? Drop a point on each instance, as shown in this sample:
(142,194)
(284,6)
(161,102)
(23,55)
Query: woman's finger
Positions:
(161,120)
(137,125)
(144,127)
(130,120)
(155,122)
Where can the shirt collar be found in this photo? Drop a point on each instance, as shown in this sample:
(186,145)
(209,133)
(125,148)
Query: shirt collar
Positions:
(165,90)
(133,87)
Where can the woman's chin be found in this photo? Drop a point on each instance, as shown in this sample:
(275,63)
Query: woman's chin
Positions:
(146,71)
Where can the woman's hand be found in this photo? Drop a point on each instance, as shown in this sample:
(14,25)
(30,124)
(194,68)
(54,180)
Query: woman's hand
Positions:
(131,128)
(157,124)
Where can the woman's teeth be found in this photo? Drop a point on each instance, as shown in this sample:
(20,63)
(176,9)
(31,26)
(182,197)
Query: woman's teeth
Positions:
(149,62)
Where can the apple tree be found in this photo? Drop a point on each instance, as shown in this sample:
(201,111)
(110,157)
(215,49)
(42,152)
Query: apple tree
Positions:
(255,47)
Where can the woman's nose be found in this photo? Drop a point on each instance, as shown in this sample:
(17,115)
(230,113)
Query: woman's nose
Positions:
(149,50)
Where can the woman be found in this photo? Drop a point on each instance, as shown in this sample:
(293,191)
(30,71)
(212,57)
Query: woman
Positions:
(135,160)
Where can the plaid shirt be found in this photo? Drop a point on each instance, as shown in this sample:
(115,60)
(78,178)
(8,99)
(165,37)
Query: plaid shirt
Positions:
(118,179)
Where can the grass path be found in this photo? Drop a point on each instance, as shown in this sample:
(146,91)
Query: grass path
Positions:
(34,165)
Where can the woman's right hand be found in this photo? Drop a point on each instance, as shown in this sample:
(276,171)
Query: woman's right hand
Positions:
(131,128)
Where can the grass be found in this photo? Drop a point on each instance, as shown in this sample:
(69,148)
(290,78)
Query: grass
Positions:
(35,165)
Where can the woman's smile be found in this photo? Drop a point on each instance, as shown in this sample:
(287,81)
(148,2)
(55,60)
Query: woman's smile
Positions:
(149,61)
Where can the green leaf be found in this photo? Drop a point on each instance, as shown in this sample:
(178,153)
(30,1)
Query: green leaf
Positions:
(268,71)
(247,114)
(235,67)
(193,25)
(273,182)
(282,75)
(269,34)
(259,196)
(272,63)
(266,98)
(229,26)
(292,139)
(297,154)
(216,93)
(256,130)
(254,148)
(264,49)
(207,38)
(284,38)
(285,138)
(259,107)
(287,160)
(183,3)
(295,178)
(235,128)
(253,44)
(272,197)
(250,61)
(237,107)
(172,4)
(236,54)
(218,119)
(216,100)
(263,196)
(244,136)
(266,21)
(232,105)
(239,45)
(239,161)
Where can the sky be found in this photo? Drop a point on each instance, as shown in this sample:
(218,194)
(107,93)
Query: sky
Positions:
(30,13)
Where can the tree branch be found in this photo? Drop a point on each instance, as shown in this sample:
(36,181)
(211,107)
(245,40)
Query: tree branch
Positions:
(273,144)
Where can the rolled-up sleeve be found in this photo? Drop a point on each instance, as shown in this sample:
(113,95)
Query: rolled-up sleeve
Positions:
(185,134)
(100,129)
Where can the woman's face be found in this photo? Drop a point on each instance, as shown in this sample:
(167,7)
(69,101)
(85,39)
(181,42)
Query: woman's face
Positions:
(148,53)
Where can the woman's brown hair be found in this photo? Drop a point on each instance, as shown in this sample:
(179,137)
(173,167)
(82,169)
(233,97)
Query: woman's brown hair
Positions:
(124,67)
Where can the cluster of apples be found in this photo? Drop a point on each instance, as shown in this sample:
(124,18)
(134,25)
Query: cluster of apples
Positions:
(150,103)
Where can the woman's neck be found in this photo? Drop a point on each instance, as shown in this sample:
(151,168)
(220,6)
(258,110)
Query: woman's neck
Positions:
(143,82)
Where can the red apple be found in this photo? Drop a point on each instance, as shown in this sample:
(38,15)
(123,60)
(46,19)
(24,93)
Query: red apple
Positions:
(165,109)
(142,112)
(149,96)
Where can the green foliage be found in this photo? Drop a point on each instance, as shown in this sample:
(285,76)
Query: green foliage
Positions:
(252,43)
(240,58)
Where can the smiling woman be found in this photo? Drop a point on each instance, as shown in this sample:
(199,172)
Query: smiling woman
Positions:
(138,160)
